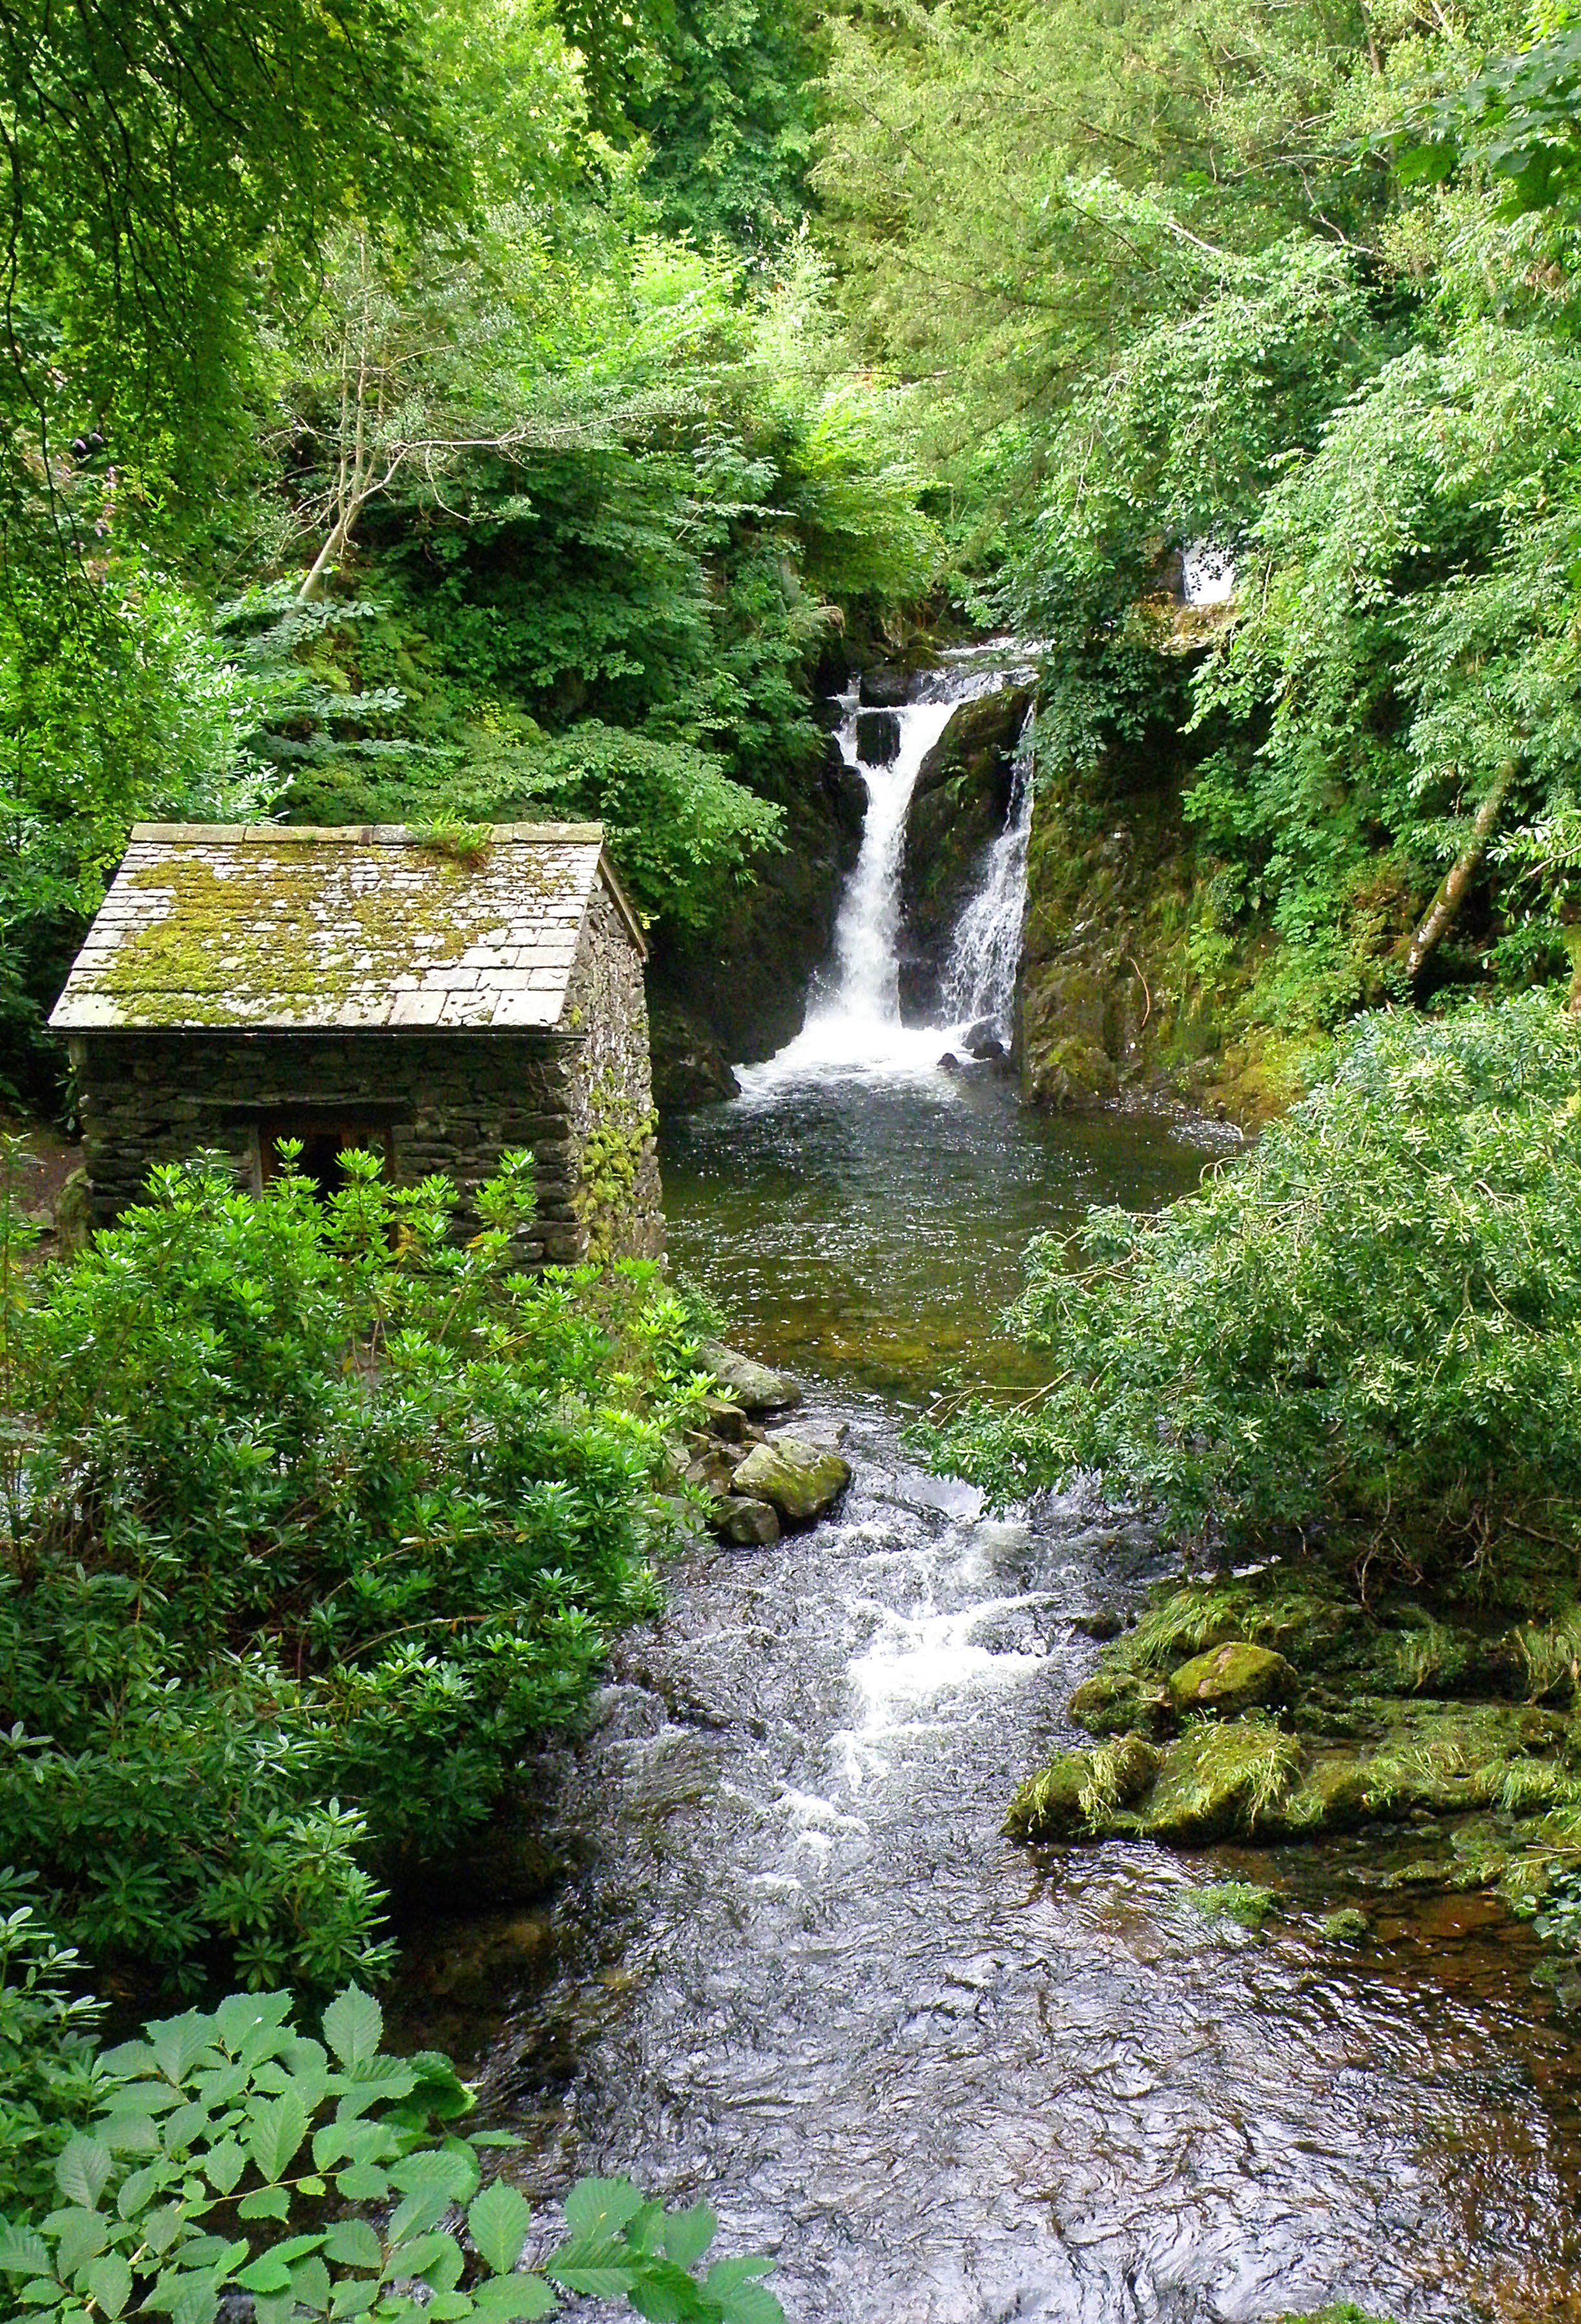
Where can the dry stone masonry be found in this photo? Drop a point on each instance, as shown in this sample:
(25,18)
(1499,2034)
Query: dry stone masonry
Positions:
(373,986)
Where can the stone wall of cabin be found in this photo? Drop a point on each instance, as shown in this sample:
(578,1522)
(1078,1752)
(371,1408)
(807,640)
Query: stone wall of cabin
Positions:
(617,1196)
(450,1104)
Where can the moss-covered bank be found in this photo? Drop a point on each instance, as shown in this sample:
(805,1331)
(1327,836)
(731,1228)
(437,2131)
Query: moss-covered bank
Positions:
(1281,1706)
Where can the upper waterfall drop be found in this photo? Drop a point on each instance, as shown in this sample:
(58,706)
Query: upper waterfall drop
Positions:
(853,1024)
(979,981)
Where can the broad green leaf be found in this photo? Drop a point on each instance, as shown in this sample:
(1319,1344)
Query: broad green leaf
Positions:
(499,2219)
(83,2234)
(688,2234)
(309,2285)
(161,2226)
(598,2208)
(264,2203)
(182,2125)
(364,2182)
(139,2188)
(268,2272)
(275,2308)
(355,2297)
(602,2283)
(179,2043)
(508,2297)
(665,2295)
(353,2026)
(46,2292)
(751,2303)
(224,2164)
(435,2258)
(81,2168)
(23,2250)
(352,2243)
(276,2128)
(194,2301)
(130,2133)
(726,2273)
(109,2280)
(129,2058)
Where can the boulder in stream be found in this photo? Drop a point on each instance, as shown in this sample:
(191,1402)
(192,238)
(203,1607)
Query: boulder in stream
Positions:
(878,737)
(885,687)
(1232,1677)
(745,1523)
(757,1389)
(984,1040)
(802,1481)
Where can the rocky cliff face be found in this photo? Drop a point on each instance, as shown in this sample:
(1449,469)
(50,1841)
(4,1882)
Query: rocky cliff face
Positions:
(738,991)
(1127,985)
(958,810)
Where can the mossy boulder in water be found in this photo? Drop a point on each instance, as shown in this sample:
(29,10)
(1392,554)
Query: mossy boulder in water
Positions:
(1121,1702)
(745,1522)
(801,1480)
(1079,1791)
(1232,1677)
(756,1387)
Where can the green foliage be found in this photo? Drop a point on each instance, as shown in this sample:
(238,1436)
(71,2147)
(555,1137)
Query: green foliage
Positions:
(51,2078)
(616,516)
(729,106)
(217,2130)
(119,707)
(1368,1324)
(164,175)
(1516,117)
(316,1517)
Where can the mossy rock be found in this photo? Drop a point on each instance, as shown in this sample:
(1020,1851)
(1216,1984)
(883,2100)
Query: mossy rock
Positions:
(1078,1793)
(1245,1902)
(800,1480)
(1221,1780)
(1049,1806)
(1232,1677)
(1118,1703)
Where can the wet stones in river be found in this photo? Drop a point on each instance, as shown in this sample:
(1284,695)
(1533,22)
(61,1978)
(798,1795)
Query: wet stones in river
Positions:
(983,1040)
(745,1522)
(802,1481)
(878,737)
(885,687)
(755,1388)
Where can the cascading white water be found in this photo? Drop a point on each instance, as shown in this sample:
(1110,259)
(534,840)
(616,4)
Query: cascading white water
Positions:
(854,1014)
(979,981)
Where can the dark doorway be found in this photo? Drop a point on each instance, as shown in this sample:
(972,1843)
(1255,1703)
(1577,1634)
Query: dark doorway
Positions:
(324,1138)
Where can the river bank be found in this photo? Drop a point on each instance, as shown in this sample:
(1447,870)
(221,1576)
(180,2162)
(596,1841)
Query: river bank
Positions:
(795,1962)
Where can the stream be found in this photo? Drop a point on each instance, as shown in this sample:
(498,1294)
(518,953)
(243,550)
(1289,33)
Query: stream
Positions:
(796,1967)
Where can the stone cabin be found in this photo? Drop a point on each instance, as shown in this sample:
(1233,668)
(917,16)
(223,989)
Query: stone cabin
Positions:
(371,986)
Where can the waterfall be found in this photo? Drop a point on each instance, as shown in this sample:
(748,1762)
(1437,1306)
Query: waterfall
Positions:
(986,951)
(854,1011)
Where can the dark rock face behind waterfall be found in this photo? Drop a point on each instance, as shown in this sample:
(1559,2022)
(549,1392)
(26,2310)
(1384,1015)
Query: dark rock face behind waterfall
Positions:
(957,809)
(738,990)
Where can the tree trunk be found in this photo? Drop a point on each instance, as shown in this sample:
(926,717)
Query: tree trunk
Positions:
(1452,888)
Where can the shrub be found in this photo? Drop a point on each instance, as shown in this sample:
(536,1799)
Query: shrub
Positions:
(315,1521)
(217,2130)
(1370,1324)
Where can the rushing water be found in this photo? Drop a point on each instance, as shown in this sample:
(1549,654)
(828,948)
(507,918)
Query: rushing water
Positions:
(799,1968)
(980,976)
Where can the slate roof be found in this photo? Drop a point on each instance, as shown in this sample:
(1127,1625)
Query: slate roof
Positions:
(267,927)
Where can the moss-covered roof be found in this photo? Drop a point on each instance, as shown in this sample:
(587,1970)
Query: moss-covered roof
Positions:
(263,927)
